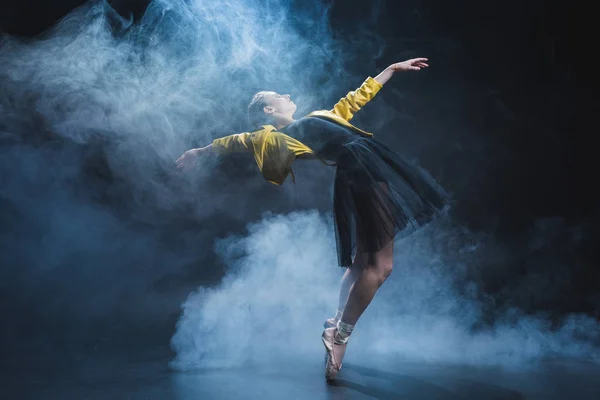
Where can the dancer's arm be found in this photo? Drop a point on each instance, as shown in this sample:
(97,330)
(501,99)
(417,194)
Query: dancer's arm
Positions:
(239,142)
(414,64)
(190,157)
(355,100)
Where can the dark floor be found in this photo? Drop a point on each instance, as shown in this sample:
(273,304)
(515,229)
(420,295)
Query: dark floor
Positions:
(93,378)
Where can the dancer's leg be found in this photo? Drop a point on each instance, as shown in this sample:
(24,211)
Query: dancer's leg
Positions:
(376,267)
(350,276)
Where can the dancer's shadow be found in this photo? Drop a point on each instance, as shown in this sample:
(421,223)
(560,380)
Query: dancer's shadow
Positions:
(357,387)
(407,387)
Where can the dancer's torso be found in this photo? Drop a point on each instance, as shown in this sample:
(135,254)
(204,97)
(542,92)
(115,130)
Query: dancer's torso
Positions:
(324,137)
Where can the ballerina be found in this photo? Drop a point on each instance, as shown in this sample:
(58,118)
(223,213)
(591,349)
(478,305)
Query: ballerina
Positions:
(377,192)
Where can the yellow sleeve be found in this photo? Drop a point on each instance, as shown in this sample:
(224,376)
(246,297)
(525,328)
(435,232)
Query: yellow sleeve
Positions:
(356,99)
(279,152)
(294,145)
(239,142)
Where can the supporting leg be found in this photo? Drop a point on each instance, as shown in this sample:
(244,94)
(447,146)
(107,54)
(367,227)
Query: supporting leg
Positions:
(375,267)
(372,276)
(350,276)
(374,270)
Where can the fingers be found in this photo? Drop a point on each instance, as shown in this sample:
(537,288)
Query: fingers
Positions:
(181,159)
(188,166)
(184,167)
(181,163)
(417,66)
(414,64)
(419,62)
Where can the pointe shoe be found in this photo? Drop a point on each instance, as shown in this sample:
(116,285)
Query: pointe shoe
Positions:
(330,323)
(335,354)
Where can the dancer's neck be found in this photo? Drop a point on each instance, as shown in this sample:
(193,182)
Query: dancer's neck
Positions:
(281,121)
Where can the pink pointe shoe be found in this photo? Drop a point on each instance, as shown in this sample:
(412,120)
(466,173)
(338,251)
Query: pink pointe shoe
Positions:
(335,354)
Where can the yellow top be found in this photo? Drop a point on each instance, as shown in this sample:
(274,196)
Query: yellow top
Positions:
(274,152)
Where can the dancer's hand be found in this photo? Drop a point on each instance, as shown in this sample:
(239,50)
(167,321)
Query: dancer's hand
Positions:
(414,64)
(189,158)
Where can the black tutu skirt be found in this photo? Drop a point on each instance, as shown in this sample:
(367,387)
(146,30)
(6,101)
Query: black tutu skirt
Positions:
(377,194)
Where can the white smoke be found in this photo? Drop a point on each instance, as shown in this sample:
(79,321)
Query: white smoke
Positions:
(284,282)
(99,93)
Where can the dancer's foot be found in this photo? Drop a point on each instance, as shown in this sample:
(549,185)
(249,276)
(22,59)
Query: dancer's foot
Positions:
(335,353)
(330,323)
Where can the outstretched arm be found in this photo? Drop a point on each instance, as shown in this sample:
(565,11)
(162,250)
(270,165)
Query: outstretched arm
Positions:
(356,99)
(190,157)
(239,142)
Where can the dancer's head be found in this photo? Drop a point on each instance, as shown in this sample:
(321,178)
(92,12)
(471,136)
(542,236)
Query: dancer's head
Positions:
(269,108)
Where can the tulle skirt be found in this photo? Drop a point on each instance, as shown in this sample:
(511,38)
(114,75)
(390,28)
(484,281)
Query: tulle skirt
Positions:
(377,194)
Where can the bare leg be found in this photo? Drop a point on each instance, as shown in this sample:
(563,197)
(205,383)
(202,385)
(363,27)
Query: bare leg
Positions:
(372,270)
(378,268)
(375,269)
(350,276)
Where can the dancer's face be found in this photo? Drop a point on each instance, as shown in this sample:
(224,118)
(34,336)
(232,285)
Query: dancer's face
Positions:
(279,104)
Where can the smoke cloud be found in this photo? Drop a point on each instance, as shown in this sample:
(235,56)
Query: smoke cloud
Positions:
(97,223)
(284,282)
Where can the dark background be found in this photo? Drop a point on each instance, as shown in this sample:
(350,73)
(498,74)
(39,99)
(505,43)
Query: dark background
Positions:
(518,73)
